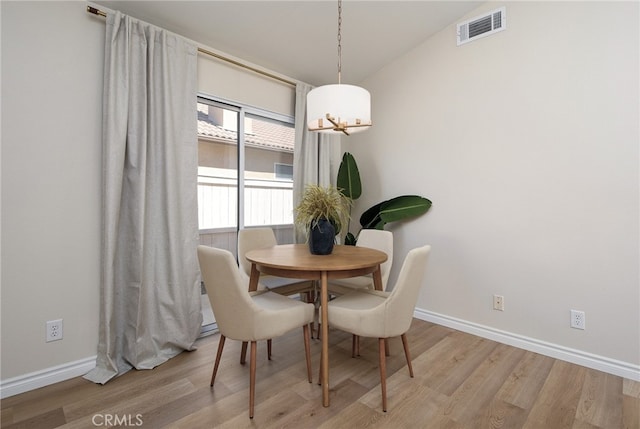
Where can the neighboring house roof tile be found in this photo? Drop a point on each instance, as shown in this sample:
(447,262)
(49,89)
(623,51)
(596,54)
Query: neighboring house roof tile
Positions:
(264,134)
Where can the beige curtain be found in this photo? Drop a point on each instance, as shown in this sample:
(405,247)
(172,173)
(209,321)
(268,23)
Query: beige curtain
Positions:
(150,293)
(316,156)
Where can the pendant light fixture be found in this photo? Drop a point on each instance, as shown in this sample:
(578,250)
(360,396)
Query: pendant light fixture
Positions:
(339,108)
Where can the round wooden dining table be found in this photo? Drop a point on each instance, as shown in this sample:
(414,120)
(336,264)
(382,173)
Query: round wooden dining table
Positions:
(295,261)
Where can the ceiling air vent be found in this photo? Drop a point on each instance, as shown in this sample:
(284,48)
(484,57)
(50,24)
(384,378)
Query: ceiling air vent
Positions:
(482,26)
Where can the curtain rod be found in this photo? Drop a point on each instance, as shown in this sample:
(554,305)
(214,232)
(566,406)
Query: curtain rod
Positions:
(98,12)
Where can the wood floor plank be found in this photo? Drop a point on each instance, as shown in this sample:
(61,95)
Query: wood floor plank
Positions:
(216,413)
(631,388)
(461,382)
(110,395)
(601,400)
(313,414)
(6,416)
(468,402)
(140,408)
(356,415)
(364,368)
(579,424)
(449,363)
(39,401)
(630,412)
(558,399)
(409,402)
(501,414)
(526,380)
(398,385)
(269,411)
(423,336)
(46,420)
(630,404)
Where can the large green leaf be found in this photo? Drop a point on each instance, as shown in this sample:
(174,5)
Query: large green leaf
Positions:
(348,180)
(395,209)
(371,217)
(349,239)
(403,207)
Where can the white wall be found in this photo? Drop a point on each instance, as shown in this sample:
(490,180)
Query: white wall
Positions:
(527,143)
(52,55)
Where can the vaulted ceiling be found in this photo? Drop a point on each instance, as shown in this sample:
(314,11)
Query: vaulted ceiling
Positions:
(299,38)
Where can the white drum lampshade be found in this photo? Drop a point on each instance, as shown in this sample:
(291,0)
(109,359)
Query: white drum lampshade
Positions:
(338,108)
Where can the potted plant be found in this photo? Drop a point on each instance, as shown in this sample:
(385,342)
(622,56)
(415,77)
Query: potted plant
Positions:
(321,214)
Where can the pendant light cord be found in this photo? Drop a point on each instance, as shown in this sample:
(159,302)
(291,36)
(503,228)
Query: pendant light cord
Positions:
(339,40)
(338,108)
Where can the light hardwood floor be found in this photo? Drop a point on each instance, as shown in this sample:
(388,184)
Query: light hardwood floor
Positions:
(461,381)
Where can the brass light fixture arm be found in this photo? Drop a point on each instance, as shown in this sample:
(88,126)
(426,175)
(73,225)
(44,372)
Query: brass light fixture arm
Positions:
(338,126)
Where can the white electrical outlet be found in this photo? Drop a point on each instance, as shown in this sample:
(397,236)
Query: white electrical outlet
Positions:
(578,319)
(498,302)
(54,330)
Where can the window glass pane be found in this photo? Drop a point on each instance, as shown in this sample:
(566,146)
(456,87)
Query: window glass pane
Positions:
(268,173)
(217,168)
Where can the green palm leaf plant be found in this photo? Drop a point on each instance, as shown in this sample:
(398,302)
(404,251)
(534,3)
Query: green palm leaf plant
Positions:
(395,209)
(349,177)
(349,184)
(376,217)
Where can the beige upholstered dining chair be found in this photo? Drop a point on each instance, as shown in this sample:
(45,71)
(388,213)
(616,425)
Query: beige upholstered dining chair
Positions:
(259,238)
(382,315)
(246,316)
(374,239)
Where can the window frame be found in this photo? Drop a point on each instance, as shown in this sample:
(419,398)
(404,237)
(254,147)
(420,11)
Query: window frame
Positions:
(243,111)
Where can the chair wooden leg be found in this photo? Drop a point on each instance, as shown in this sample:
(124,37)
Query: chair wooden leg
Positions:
(307,350)
(383,372)
(252,377)
(320,372)
(353,345)
(405,344)
(386,347)
(218,355)
(269,349)
(316,312)
(309,298)
(243,353)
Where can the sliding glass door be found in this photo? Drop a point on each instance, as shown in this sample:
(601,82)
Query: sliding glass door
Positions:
(245,175)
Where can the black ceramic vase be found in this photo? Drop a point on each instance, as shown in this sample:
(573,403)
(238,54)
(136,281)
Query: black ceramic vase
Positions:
(321,238)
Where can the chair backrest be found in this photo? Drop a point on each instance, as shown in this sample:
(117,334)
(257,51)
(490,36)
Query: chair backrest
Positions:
(250,239)
(228,293)
(401,303)
(379,240)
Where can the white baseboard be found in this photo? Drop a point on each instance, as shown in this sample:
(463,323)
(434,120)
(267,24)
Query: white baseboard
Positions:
(35,380)
(45,377)
(589,360)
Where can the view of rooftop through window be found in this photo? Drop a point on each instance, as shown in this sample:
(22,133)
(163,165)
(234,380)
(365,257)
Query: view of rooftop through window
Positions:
(266,190)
